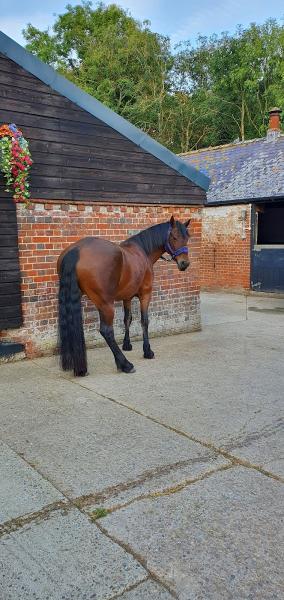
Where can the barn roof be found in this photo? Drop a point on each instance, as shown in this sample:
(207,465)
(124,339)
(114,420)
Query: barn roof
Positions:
(66,88)
(242,171)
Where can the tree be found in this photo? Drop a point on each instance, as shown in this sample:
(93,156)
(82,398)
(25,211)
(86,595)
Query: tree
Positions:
(242,76)
(211,93)
(107,53)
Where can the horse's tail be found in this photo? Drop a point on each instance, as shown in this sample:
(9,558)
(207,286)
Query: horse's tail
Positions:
(72,346)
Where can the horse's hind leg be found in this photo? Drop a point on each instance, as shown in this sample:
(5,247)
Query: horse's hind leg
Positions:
(106,329)
(127,322)
(144,304)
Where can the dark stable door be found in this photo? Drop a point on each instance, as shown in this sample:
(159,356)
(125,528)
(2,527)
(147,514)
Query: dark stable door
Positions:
(10,292)
(267,272)
(268,269)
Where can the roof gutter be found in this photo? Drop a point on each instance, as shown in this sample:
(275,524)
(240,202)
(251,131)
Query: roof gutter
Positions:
(246,201)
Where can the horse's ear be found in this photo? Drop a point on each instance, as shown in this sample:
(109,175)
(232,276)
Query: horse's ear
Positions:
(172,221)
(187,223)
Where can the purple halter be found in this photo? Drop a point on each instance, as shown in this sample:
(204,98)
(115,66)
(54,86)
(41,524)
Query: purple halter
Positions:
(170,250)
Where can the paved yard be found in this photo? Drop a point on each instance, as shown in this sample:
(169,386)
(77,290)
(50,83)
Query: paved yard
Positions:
(161,484)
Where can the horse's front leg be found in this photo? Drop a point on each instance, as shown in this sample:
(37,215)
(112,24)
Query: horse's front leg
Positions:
(144,305)
(106,329)
(127,322)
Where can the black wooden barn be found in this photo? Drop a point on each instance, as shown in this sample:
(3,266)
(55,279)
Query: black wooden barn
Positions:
(82,151)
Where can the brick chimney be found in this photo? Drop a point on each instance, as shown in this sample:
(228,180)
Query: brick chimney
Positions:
(274,127)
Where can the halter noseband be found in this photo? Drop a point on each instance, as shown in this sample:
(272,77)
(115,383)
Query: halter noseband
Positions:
(170,250)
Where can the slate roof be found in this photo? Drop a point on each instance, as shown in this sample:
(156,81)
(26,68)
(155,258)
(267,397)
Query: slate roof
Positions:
(63,86)
(242,171)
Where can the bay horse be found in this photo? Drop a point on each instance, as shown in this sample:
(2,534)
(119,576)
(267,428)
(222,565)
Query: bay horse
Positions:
(107,272)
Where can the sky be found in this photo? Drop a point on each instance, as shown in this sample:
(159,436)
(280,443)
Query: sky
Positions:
(179,19)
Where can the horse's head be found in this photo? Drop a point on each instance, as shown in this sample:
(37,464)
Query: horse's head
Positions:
(176,244)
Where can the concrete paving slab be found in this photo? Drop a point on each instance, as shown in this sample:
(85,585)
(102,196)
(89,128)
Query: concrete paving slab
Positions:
(221,385)
(222,308)
(218,539)
(155,483)
(147,591)
(81,442)
(64,557)
(264,305)
(264,448)
(22,490)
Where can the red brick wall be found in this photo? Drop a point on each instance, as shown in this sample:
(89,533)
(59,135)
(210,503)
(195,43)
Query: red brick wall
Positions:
(45,229)
(225,248)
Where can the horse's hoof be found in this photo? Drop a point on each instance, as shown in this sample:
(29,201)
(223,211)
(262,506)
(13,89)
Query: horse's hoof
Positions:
(149,354)
(127,347)
(82,374)
(127,368)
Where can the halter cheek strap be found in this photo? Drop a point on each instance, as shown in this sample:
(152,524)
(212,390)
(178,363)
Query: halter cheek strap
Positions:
(170,250)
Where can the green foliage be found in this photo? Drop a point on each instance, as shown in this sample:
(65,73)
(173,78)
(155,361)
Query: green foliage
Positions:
(241,77)
(219,90)
(99,513)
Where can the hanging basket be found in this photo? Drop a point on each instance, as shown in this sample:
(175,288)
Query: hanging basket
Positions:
(15,162)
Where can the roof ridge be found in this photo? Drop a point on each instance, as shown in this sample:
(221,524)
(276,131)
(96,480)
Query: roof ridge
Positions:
(66,88)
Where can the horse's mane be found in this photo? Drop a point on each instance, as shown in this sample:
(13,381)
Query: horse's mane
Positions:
(154,237)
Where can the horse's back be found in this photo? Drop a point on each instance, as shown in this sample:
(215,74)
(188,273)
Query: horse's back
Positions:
(90,245)
(108,270)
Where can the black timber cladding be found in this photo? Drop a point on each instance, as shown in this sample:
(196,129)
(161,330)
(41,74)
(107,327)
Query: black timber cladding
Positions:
(77,156)
(10,293)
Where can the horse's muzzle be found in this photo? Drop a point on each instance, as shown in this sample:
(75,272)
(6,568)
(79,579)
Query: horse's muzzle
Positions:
(183,264)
